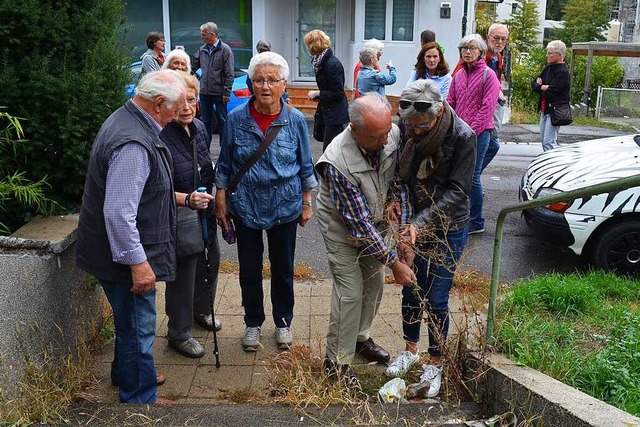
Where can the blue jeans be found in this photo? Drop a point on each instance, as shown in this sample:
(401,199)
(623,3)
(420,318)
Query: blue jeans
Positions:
(492,150)
(477,219)
(282,245)
(207,102)
(548,133)
(135,322)
(435,278)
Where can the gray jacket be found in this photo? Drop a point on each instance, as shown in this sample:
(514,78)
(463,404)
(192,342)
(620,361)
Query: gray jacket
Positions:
(217,69)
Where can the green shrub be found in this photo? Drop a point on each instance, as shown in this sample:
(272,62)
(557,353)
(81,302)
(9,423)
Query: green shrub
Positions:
(61,68)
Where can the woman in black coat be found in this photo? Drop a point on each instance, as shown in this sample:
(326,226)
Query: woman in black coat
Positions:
(332,101)
(554,87)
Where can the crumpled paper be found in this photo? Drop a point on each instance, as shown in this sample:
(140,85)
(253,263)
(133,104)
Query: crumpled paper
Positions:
(393,390)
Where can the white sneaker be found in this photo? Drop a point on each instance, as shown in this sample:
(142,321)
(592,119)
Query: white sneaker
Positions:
(251,339)
(433,374)
(284,339)
(401,365)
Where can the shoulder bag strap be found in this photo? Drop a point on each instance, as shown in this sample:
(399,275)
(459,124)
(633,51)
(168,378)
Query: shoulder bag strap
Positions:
(195,165)
(254,157)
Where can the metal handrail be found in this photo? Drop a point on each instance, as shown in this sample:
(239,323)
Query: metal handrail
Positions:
(605,187)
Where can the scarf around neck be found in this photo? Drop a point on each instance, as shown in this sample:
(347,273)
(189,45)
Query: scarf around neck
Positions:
(421,155)
(316,61)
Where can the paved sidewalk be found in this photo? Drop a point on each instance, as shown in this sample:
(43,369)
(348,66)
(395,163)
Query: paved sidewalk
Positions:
(194,381)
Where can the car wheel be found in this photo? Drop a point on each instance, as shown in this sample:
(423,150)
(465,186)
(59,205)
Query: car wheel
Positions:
(618,249)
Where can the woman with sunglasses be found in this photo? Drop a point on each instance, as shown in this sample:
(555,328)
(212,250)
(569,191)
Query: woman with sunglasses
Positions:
(430,64)
(474,95)
(435,169)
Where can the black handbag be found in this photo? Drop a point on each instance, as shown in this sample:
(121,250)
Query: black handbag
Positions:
(561,115)
(318,126)
(189,240)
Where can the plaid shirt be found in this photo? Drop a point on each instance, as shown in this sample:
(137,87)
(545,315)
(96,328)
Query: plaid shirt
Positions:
(355,214)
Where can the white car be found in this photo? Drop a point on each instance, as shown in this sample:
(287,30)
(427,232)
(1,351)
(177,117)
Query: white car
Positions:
(605,227)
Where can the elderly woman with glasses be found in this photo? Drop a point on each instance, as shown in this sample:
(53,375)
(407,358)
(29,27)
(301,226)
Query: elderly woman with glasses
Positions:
(435,170)
(187,299)
(473,94)
(272,196)
(554,87)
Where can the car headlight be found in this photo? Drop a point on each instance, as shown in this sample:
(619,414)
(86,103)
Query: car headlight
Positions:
(559,207)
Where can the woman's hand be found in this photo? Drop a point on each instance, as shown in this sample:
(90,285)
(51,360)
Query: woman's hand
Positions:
(221,207)
(200,200)
(307,214)
(313,95)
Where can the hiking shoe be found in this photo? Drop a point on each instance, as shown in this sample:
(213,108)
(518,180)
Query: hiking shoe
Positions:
(401,365)
(476,230)
(283,338)
(190,347)
(208,322)
(251,339)
(432,374)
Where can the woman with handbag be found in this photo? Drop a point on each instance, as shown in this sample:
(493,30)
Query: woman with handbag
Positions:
(186,298)
(554,87)
(264,179)
(332,114)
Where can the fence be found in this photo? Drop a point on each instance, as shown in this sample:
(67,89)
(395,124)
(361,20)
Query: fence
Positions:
(619,105)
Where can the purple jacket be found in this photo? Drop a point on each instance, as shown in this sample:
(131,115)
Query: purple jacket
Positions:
(472,101)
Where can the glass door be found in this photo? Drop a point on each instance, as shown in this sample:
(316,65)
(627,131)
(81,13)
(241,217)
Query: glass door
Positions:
(312,14)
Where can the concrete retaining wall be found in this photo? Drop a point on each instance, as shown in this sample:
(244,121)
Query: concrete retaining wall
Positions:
(45,300)
(506,386)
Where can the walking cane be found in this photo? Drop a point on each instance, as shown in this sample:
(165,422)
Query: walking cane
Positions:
(205,232)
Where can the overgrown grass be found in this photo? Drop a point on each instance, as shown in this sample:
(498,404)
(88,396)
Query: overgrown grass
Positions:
(582,329)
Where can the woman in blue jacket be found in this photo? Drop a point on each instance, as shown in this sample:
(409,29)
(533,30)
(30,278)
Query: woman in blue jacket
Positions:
(274,195)
(332,101)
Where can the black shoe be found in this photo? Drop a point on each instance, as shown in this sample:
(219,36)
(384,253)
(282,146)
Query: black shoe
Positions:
(372,351)
(188,348)
(208,322)
(341,372)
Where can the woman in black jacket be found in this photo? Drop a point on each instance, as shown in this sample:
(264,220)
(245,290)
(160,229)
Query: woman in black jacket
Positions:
(332,101)
(554,87)
(187,299)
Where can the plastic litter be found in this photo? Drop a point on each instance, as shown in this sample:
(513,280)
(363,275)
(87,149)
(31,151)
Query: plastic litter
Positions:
(393,390)
(508,419)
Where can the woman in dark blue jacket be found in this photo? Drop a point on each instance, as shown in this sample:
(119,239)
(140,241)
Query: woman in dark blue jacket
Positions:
(332,101)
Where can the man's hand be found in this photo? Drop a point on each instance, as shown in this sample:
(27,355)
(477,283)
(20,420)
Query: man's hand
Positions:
(406,253)
(394,212)
(307,214)
(403,274)
(144,279)
(409,234)
(221,207)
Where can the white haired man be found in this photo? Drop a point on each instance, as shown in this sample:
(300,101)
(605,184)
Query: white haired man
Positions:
(356,171)
(126,232)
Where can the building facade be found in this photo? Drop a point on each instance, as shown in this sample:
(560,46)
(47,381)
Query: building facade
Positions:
(349,23)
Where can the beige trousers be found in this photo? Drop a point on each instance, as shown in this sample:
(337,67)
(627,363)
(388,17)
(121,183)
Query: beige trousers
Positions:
(358,283)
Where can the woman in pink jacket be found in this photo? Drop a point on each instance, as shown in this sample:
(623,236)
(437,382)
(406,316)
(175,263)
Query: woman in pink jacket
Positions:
(473,95)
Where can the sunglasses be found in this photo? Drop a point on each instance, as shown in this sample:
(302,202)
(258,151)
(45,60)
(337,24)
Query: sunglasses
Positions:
(420,106)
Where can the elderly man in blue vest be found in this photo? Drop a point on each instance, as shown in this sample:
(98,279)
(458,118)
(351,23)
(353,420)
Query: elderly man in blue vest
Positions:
(356,170)
(126,232)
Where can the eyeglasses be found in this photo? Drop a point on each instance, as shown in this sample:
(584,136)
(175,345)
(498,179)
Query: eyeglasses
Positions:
(553,53)
(468,49)
(419,127)
(192,100)
(420,106)
(499,39)
(270,83)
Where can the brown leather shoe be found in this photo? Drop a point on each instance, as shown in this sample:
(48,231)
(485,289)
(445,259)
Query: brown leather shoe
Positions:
(372,351)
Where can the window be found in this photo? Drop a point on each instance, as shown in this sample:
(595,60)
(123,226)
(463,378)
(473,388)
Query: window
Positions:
(374,19)
(395,14)
(185,17)
(403,20)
